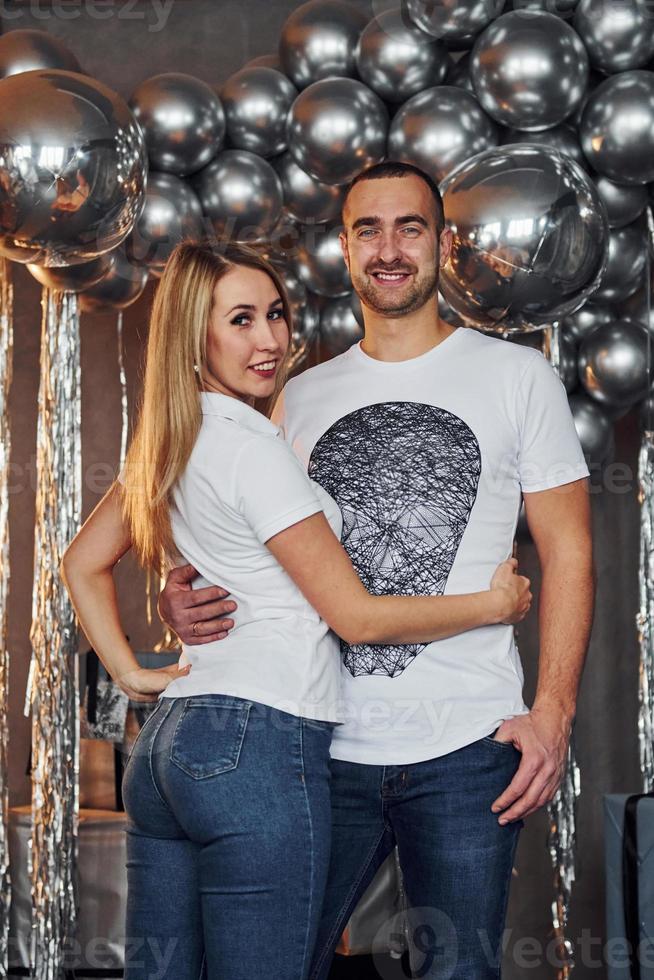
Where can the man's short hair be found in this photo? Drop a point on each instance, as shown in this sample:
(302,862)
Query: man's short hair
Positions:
(395,168)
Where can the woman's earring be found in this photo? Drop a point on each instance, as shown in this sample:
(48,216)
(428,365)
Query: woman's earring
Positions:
(196,368)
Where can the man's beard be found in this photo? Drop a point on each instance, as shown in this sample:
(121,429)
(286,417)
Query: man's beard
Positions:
(412,299)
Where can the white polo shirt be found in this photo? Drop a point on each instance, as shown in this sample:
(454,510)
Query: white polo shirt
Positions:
(242,485)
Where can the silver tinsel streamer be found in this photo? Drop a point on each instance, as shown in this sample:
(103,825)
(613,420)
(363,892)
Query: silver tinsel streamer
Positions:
(6,353)
(561,811)
(53,688)
(123,390)
(645,615)
(561,842)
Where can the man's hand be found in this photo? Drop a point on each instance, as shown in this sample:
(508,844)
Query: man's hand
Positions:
(542,736)
(196,615)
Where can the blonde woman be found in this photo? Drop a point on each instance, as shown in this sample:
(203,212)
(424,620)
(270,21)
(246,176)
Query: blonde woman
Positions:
(227,788)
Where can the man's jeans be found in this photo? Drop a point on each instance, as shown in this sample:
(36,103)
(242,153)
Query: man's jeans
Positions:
(456,858)
(228,841)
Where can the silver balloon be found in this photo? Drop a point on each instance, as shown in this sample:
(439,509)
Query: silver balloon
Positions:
(72,168)
(306,316)
(171,214)
(614,363)
(256,103)
(562,138)
(336,129)
(339,328)
(626,261)
(562,8)
(28,50)
(640,305)
(567,370)
(646,412)
(439,129)
(305,198)
(530,237)
(319,39)
(445,312)
(241,194)
(398,60)
(459,74)
(182,119)
(617,36)
(320,264)
(357,309)
(617,128)
(265,61)
(579,325)
(623,202)
(121,285)
(530,69)
(457,22)
(593,426)
(73,278)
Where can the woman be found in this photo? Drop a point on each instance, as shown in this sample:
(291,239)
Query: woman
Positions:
(227,789)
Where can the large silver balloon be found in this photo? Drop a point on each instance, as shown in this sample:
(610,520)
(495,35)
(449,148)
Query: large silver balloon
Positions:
(614,363)
(593,426)
(171,214)
(626,261)
(120,286)
(617,36)
(305,198)
(457,22)
(336,129)
(530,237)
(27,50)
(623,202)
(72,168)
(578,325)
(320,264)
(241,194)
(439,129)
(530,69)
(306,315)
(397,60)
(617,128)
(339,328)
(182,119)
(319,39)
(72,278)
(256,103)
(562,138)
(562,8)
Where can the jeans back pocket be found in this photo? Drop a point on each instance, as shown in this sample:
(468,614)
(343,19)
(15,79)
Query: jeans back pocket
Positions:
(209,735)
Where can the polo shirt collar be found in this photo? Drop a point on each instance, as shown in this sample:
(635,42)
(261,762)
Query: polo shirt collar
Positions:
(226,407)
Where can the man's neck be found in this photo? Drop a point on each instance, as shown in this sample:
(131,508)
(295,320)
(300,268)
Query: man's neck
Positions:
(401,338)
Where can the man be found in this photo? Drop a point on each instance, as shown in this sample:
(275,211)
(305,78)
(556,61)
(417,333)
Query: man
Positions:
(427,436)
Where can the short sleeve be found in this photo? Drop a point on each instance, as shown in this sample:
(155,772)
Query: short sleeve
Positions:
(550,453)
(272,490)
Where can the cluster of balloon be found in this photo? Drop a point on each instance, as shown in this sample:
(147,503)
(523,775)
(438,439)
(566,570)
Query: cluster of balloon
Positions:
(538,122)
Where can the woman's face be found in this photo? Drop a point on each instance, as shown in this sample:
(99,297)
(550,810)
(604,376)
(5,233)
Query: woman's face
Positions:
(247,335)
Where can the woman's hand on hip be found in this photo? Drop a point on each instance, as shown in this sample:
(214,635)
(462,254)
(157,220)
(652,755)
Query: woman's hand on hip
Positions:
(144,684)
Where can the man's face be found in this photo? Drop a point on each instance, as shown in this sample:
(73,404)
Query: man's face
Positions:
(391,244)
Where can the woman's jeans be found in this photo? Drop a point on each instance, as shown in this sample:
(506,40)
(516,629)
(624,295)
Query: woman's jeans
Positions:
(228,841)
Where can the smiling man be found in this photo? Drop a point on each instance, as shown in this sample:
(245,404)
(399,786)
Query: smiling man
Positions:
(428,437)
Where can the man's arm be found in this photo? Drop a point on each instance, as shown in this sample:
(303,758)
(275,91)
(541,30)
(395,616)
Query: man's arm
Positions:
(560,523)
(197,615)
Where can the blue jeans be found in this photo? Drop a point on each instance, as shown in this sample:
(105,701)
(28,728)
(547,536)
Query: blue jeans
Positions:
(228,841)
(456,858)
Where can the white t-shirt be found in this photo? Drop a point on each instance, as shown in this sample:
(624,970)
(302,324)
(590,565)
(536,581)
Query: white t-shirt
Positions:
(242,485)
(427,459)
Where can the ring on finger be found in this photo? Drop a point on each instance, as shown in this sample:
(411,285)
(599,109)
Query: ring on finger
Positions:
(194,629)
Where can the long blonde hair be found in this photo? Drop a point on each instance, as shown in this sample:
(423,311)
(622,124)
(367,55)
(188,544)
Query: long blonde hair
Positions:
(170,411)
